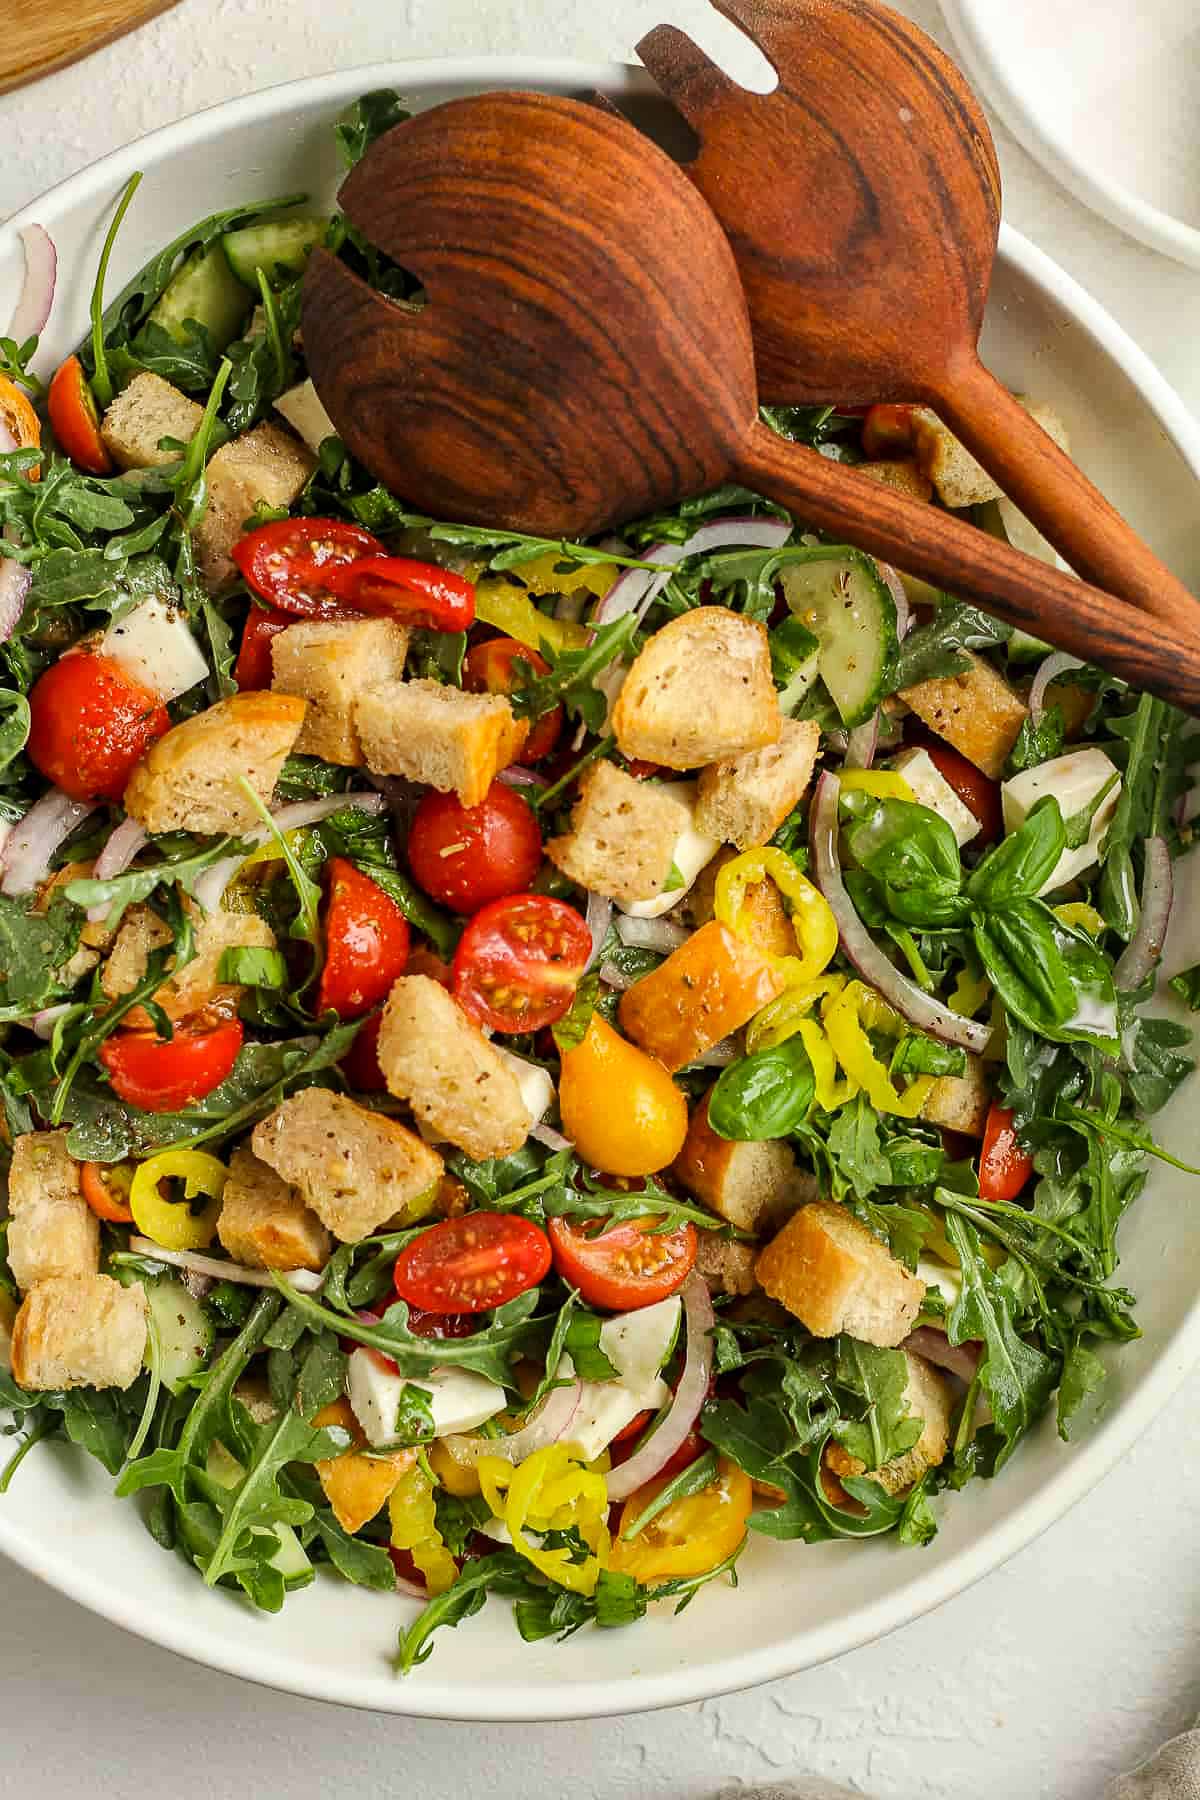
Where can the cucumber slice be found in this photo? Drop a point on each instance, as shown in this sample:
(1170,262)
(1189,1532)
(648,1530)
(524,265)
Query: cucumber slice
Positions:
(185,1332)
(279,244)
(207,290)
(291,1558)
(838,594)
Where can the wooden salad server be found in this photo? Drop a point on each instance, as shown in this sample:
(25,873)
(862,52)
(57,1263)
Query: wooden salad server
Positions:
(583,357)
(862,201)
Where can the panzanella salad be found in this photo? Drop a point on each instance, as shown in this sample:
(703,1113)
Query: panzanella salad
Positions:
(525,1063)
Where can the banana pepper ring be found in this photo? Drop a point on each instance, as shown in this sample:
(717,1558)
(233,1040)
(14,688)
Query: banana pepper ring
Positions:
(814,924)
(550,1491)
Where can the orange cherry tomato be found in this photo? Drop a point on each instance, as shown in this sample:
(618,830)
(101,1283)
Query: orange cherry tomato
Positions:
(488,669)
(106,1187)
(978,793)
(641,1135)
(519,961)
(167,1074)
(16,412)
(625,1267)
(366,943)
(691,1535)
(253,670)
(75,419)
(473,1263)
(291,563)
(467,856)
(1004,1167)
(91,725)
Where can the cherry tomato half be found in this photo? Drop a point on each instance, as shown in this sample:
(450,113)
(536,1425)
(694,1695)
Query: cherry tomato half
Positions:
(75,419)
(519,961)
(106,1188)
(420,594)
(366,943)
(360,1065)
(889,430)
(978,793)
(439,1325)
(691,1535)
(91,725)
(292,562)
(472,1264)
(466,856)
(166,1074)
(1004,1167)
(253,670)
(17,414)
(628,1266)
(488,669)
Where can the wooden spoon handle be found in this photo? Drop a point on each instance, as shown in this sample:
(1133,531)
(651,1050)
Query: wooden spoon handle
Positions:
(1041,479)
(970,564)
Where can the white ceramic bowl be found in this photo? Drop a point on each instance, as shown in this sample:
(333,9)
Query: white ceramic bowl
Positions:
(795,1606)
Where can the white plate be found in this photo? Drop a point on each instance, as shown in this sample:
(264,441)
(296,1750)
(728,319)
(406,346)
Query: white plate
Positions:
(795,1606)
(1105,96)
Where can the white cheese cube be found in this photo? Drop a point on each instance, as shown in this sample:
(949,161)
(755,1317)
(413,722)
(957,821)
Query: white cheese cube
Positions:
(606,1407)
(939,1275)
(460,1399)
(931,789)
(301,407)
(537,1089)
(638,1343)
(153,644)
(1074,781)
(693,852)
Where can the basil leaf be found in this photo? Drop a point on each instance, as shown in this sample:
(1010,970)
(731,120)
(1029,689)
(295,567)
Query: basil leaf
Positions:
(1023,862)
(1050,976)
(1016,1377)
(766,1095)
(912,853)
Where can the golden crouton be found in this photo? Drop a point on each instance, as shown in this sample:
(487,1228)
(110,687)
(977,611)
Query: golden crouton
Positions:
(264,1223)
(930,1399)
(763,920)
(355,1168)
(726,1266)
(836,1276)
(456,1082)
(903,475)
(356,1484)
(753,1185)
(976,711)
(144,413)
(700,692)
(623,835)
(455,742)
(79,1331)
(954,472)
(198,983)
(745,801)
(330,663)
(52,1230)
(707,988)
(263,467)
(960,1102)
(190,780)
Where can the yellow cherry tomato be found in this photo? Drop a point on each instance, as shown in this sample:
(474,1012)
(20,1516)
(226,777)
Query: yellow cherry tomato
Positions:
(619,1106)
(883,784)
(461,1478)
(812,921)
(510,610)
(178,1224)
(690,1536)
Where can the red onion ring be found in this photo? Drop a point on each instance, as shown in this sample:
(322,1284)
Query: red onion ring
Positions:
(1140,956)
(305,1281)
(895,587)
(598,919)
(690,1395)
(15,579)
(862,743)
(719,1057)
(410,1588)
(25,860)
(516,776)
(612,977)
(553,1140)
(42,1024)
(960,1359)
(37,292)
(1049,669)
(860,947)
(651,934)
(212,884)
(637,589)
(115,858)
(549,1425)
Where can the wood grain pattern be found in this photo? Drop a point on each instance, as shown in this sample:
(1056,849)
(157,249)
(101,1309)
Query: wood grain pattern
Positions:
(584,357)
(862,202)
(41,35)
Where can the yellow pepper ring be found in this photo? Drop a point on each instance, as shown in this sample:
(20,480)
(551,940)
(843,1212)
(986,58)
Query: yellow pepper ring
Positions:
(788,1017)
(813,922)
(174,1224)
(852,1047)
(883,784)
(550,1490)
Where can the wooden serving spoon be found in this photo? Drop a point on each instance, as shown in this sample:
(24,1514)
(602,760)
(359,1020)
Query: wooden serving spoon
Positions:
(862,201)
(46,36)
(584,357)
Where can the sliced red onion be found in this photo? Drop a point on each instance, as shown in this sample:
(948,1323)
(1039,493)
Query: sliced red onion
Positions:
(115,858)
(1140,956)
(860,947)
(549,1425)
(37,293)
(14,585)
(42,1024)
(516,776)
(690,1395)
(34,839)
(635,590)
(305,1281)
(763,533)
(198,1286)
(1049,670)
(719,1057)
(212,884)
(599,918)
(862,743)
(651,934)
(612,977)
(412,1589)
(895,588)
(961,1359)
(553,1140)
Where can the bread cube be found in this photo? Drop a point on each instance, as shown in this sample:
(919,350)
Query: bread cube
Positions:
(190,780)
(198,983)
(265,1224)
(263,467)
(330,663)
(700,692)
(457,1083)
(745,801)
(144,413)
(835,1276)
(931,1399)
(960,1102)
(622,836)
(455,742)
(755,1186)
(79,1331)
(355,1168)
(710,986)
(52,1230)
(727,1266)
(976,711)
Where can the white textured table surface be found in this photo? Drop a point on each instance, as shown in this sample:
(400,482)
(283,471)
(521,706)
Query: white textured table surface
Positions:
(1067,1665)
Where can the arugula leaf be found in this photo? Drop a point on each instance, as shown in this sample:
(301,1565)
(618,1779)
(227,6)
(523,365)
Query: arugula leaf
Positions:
(916,1054)
(1151,1062)
(879,1379)
(572,1028)
(1037,743)
(34,946)
(765,1095)
(578,1195)
(258,1504)
(854,1149)
(582,1344)
(572,678)
(505,1573)
(369,117)
(130,889)
(14,726)
(1017,1378)
(1187,985)
(1083,1377)
(365,1564)
(763,1442)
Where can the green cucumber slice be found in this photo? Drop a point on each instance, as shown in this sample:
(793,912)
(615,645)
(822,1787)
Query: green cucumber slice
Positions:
(291,1558)
(184,1329)
(840,596)
(279,244)
(207,290)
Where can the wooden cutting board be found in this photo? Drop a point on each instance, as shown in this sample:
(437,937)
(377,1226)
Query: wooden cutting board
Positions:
(45,34)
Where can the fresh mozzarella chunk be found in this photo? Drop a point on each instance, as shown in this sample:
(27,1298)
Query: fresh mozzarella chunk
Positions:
(638,1343)
(154,645)
(301,407)
(931,789)
(947,1281)
(536,1088)
(693,852)
(460,1400)
(606,1407)
(1074,781)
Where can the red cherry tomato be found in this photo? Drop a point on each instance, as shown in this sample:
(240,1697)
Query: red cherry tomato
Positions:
(253,670)
(360,1065)
(889,431)
(978,793)
(471,1264)
(292,563)
(416,593)
(465,856)
(366,943)
(440,1325)
(91,725)
(519,961)
(167,1074)
(425,960)
(1004,1167)
(488,669)
(75,419)
(625,1267)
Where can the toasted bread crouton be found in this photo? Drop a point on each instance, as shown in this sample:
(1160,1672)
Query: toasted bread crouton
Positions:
(356,1169)
(753,1185)
(190,780)
(960,1102)
(745,801)
(727,1266)
(763,921)
(302,408)
(704,990)
(623,835)
(52,1230)
(357,1484)
(903,475)
(456,1082)
(835,1275)
(931,1399)
(455,742)
(264,1223)
(198,983)
(144,413)
(263,467)
(79,1331)
(700,692)
(330,663)
(960,480)
(976,711)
